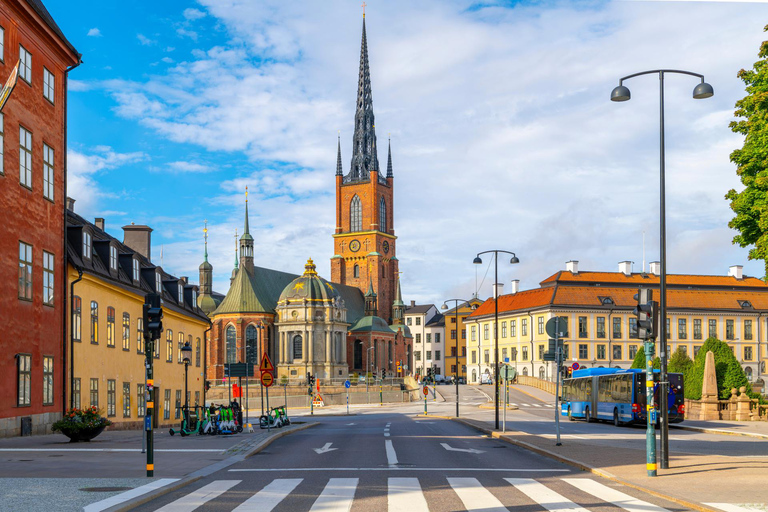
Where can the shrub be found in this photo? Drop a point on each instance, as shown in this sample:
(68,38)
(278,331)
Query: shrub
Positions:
(680,362)
(76,420)
(639,361)
(728,371)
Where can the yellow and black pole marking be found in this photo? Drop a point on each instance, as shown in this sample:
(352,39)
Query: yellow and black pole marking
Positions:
(650,433)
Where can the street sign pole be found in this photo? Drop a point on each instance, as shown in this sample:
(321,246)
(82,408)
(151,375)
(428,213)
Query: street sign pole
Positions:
(268,427)
(558,362)
(506,399)
(650,433)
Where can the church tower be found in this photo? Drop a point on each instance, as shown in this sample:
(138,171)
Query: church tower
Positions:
(364,242)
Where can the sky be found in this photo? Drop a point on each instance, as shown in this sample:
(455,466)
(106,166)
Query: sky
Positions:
(502,131)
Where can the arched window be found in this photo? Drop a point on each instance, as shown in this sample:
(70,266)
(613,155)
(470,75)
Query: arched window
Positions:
(251,345)
(474,375)
(356,271)
(525,371)
(358,355)
(541,373)
(355,214)
(231,345)
(297,347)
(382,215)
(94,322)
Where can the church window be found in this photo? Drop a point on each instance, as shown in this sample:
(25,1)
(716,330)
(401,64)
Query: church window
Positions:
(297,347)
(356,271)
(231,345)
(251,347)
(358,355)
(382,215)
(355,215)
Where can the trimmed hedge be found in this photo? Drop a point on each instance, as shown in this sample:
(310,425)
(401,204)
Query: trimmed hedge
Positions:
(728,371)
(639,361)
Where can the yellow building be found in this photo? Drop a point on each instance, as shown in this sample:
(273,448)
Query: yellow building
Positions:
(108,282)
(456,330)
(602,328)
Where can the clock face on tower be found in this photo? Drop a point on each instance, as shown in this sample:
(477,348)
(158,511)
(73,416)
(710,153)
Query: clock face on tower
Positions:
(385,246)
(354,245)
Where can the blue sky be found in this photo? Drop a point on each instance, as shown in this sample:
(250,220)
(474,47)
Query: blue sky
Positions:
(503,136)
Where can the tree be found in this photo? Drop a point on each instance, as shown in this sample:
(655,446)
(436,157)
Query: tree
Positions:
(751,204)
(679,362)
(639,360)
(728,371)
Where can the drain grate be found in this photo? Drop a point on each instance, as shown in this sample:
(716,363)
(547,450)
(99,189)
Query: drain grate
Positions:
(105,489)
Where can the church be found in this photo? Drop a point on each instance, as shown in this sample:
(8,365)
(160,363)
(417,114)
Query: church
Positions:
(350,325)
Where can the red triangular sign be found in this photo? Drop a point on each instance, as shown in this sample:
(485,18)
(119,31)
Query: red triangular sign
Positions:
(266,364)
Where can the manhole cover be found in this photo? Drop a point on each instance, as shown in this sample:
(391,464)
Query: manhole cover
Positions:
(105,489)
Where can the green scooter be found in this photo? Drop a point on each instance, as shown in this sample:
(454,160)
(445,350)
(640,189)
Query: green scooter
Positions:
(190,424)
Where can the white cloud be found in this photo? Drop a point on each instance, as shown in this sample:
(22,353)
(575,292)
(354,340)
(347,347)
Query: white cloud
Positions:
(144,40)
(169,48)
(94,32)
(187,33)
(189,167)
(193,14)
(167,60)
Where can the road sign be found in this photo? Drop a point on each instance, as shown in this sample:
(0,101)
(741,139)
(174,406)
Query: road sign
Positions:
(425,390)
(347,384)
(507,372)
(238,370)
(267,379)
(575,366)
(266,364)
(506,360)
(557,331)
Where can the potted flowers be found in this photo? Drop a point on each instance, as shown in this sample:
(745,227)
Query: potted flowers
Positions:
(81,424)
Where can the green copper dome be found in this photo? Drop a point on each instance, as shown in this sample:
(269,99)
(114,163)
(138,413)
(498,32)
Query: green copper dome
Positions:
(371,324)
(309,286)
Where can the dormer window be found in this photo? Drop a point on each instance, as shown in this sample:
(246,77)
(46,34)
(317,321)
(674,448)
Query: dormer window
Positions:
(181,293)
(113,257)
(158,283)
(135,269)
(606,301)
(194,298)
(87,247)
(745,304)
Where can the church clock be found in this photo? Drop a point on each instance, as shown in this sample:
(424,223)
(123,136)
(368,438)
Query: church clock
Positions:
(385,246)
(354,245)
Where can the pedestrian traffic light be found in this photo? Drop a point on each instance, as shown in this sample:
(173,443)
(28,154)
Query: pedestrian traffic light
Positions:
(383,374)
(153,317)
(647,313)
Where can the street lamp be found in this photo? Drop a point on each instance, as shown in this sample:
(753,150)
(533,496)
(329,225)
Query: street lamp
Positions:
(456,315)
(186,350)
(621,93)
(478,261)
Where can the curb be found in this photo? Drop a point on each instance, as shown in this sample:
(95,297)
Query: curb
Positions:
(720,432)
(530,395)
(201,473)
(581,466)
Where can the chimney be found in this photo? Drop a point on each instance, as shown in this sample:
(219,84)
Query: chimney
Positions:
(498,289)
(572,266)
(139,239)
(625,267)
(184,279)
(413,303)
(735,271)
(516,285)
(70,204)
(655,268)
(100,223)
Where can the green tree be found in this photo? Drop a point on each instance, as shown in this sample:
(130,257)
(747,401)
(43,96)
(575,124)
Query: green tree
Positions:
(751,204)
(679,362)
(639,360)
(728,371)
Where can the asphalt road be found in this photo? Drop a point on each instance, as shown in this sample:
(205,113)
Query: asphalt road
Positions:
(392,459)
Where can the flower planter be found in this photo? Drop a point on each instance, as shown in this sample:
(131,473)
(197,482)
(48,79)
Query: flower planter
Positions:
(85,434)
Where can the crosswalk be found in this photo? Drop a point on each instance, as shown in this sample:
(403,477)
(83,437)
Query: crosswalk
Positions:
(541,405)
(406,494)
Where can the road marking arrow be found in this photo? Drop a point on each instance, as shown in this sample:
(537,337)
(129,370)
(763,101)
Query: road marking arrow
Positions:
(465,450)
(325,449)
(350,424)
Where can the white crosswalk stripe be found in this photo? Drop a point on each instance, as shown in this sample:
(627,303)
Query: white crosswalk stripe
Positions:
(200,497)
(544,496)
(268,498)
(405,496)
(475,496)
(614,496)
(729,507)
(337,496)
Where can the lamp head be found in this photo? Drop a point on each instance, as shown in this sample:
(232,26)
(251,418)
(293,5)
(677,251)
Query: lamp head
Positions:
(444,307)
(620,93)
(477,261)
(186,350)
(514,259)
(703,90)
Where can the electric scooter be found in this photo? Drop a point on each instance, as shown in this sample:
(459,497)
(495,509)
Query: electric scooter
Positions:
(189,427)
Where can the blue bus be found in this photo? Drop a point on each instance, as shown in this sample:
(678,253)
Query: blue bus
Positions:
(616,395)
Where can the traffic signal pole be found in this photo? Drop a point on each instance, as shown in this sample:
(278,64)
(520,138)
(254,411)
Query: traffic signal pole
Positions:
(153,327)
(647,328)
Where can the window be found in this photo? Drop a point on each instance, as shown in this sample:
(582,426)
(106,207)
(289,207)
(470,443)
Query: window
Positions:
(684,348)
(197,352)
(181,293)
(437,355)
(177,409)
(194,298)
(197,398)
(747,353)
(453,368)
(418,320)
(48,281)
(485,331)
(747,329)
(474,337)
(429,355)
(417,355)
(355,215)
(169,345)
(113,257)
(601,351)
(474,357)
(583,327)
(601,327)
(513,328)
(2,142)
(94,322)
(712,328)
(2,44)
(453,334)
(541,352)
(158,283)
(76,393)
(729,330)
(49,84)
(503,329)
(297,347)
(697,328)
(525,353)
(633,327)
(110,326)
(181,344)
(503,354)
(524,327)
(696,349)
(514,354)
(25,157)
(126,399)
(86,244)
(682,329)
(429,337)
(566,351)
(94,389)
(25,271)
(24,379)
(77,306)
(382,215)
(408,321)
(583,351)
(167,405)
(464,351)
(453,351)
(48,178)
(617,352)
(617,328)
(139,335)
(47,380)
(437,337)
(141,400)
(632,351)
(486,356)
(251,345)
(463,334)
(126,331)
(418,338)
(356,273)
(25,64)
(111,398)
(135,269)
(541,325)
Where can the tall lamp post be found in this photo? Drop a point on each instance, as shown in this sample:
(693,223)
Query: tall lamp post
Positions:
(186,350)
(456,316)
(478,261)
(621,93)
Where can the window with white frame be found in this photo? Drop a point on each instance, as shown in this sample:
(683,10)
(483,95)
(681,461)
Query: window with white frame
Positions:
(25,64)
(48,278)
(135,269)
(113,257)
(49,84)
(194,298)
(86,244)
(158,283)
(25,157)
(2,44)
(181,293)
(25,271)
(48,180)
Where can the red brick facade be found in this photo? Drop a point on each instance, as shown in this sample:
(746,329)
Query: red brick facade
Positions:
(217,341)
(32,328)
(359,343)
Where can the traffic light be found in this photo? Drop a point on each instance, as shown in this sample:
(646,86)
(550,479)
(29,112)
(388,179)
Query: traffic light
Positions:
(647,313)
(429,373)
(153,317)
(207,385)
(383,373)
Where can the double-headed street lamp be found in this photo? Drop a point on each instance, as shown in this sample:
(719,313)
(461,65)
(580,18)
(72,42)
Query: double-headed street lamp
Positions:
(456,316)
(621,93)
(478,261)
(186,350)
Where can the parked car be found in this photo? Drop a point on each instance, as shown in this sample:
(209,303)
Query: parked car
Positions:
(486,379)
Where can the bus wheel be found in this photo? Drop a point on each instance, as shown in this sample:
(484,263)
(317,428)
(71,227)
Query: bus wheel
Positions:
(587,417)
(616,422)
(570,416)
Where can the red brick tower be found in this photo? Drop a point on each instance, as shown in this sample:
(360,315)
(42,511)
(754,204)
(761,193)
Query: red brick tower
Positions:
(364,242)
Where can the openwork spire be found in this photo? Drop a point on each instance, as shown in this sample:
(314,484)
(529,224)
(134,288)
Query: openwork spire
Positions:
(339,172)
(389,159)
(364,157)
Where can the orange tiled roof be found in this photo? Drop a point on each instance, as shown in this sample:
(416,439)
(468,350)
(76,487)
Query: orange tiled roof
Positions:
(520,300)
(672,279)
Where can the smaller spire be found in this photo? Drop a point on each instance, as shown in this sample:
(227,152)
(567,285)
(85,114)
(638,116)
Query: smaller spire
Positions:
(338,159)
(246,232)
(205,234)
(236,255)
(389,158)
(370,292)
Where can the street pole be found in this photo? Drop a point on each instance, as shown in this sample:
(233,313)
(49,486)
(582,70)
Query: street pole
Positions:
(456,374)
(558,362)
(186,395)
(650,432)
(506,395)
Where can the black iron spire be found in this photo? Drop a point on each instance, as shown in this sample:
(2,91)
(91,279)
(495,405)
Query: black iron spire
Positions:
(389,159)
(364,157)
(338,160)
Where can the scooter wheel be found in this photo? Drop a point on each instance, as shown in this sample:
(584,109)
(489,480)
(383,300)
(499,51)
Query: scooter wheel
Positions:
(183,434)
(239,428)
(171,432)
